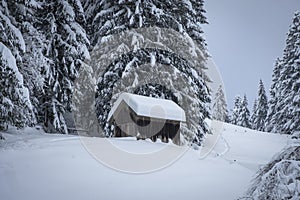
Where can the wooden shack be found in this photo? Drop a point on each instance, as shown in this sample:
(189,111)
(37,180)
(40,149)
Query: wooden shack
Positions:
(146,117)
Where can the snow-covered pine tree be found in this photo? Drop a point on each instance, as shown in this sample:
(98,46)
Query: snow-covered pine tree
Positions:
(274,97)
(123,75)
(83,100)
(279,178)
(244,114)
(34,62)
(287,115)
(253,116)
(236,110)
(261,111)
(291,82)
(219,108)
(107,18)
(15,105)
(110,18)
(66,48)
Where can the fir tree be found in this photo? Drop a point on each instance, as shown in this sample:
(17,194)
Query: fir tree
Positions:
(244,114)
(253,116)
(236,110)
(260,114)
(220,111)
(278,179)
(111,18)
(15,105)
(117,79)
(291,83)
(107,18)
(274,97)
(44,44)
(34,62)
(67,48)
(286,116)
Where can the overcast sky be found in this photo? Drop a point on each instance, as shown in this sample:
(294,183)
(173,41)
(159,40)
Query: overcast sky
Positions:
(244,38)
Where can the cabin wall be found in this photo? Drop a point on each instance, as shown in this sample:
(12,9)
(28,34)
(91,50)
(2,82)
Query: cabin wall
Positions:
(127,123)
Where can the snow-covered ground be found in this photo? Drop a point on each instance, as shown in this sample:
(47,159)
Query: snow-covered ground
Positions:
(35,165)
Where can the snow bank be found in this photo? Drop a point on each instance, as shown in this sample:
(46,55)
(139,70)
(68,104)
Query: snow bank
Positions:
(35,165)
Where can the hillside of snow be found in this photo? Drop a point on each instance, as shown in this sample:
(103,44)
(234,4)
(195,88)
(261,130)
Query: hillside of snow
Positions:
(35,165)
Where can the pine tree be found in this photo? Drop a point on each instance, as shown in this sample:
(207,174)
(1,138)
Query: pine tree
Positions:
(253,116)
(291,87)
(236,110)
(286,117)
(15,105)
(112,18)
(258,122)
(107,18)
(220,111)
(274,98)
(244,114)
(45,44)
(83,99)
(67,48)
(34,62)
(274,180)
(117,79)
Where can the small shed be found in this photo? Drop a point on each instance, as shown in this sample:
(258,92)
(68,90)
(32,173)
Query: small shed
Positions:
(146,117)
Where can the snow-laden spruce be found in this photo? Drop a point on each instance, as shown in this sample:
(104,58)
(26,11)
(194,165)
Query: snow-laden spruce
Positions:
(49,43)
(241,115)
(15,105)
(32,63)
(253,115)
(138,77)
(284,111)
(148,43)
(261,108)
(236,110)
(67,48)
(219,108)
(274,97)
(109,17)
(280,178)
(244,114)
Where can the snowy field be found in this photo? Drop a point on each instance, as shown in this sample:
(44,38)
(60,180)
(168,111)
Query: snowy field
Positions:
(35,165)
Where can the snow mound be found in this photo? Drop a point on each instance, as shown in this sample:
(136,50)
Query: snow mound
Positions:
(35,165)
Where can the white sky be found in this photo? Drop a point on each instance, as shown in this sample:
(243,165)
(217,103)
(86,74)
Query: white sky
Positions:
(244,38)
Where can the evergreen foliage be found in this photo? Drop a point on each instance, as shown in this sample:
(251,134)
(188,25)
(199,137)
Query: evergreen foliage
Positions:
(284,111)
(110,19)
(260,113)
(220,111)
(15,105)
(253,116)
(244,114)
(44,44)
(236,110)
(241,114)
(123,74)
(67,48)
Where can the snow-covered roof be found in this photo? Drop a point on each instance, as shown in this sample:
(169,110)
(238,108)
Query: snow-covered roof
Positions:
(150,107)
